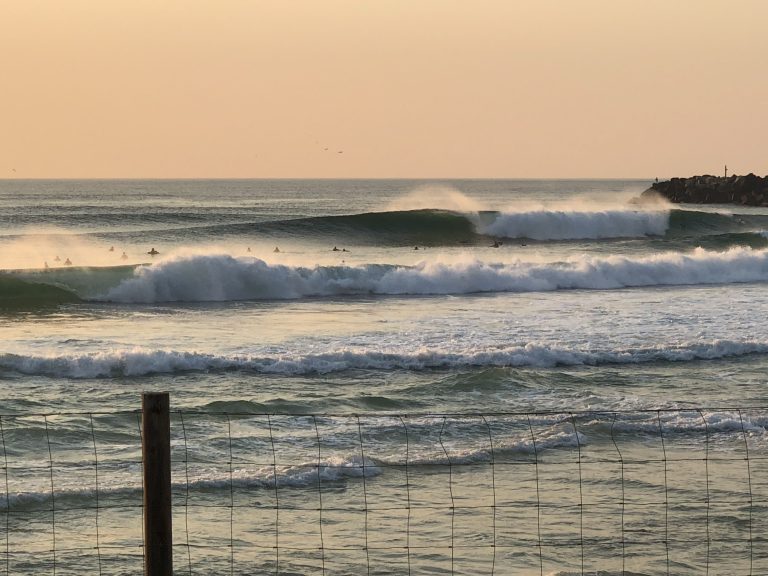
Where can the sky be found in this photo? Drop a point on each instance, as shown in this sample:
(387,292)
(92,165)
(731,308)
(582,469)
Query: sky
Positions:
(382,88)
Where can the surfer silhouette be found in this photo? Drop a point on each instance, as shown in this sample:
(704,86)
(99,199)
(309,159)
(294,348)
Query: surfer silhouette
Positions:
(111,249)
(495,244)
(415,247)
(277,249)
(248,249)
(67,262)
(124,256)
(335,249)
(153,252)
(57,259)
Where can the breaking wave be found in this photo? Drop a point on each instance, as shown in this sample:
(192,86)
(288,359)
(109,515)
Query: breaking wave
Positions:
(577,225)
(220,278)
(445,227)
(140,362)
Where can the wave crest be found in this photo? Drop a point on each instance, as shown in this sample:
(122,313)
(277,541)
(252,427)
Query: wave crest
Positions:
(221,278)
(141,362)
(578,225)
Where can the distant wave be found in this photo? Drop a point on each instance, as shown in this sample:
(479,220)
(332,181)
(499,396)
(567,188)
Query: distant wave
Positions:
(395,228)
(141,362)
(448,228)
(444,227)
(440,227)
(577,225)
(222,278)
(433,227)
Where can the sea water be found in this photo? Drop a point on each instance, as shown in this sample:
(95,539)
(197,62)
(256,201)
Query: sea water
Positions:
(386,299)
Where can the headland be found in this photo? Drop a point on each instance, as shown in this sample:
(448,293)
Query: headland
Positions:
(749,190)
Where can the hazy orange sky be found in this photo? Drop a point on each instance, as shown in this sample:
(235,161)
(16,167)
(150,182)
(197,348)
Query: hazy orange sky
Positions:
(405,88)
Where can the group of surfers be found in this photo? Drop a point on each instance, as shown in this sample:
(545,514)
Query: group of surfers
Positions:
(123,256)
(152,252)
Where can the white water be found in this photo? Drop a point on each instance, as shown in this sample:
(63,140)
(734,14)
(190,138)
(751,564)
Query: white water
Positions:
(141,362)
(575,224)
(220,278)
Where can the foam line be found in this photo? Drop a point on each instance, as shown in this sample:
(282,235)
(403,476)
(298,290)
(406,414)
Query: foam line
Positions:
(578,224)
(220,278)
(141,362)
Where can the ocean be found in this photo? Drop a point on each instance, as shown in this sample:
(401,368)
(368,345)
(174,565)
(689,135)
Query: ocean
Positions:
(382,314)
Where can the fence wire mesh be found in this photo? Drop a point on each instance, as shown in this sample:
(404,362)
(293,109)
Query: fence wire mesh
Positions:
(645,492)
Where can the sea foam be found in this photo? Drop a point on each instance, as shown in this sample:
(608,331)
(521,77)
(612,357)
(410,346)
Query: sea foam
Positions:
(140,362)
(567,224)
(218,277)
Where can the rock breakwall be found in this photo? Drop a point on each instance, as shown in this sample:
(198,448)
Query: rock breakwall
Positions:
(749,190)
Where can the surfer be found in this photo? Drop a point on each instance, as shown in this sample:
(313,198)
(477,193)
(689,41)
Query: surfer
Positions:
(45,265)
(57,259)
(415,247)
(124,256)
(153,252)
(335,249)
(495,244)
(248,249)
(276,250)
(111,248)
(67,262)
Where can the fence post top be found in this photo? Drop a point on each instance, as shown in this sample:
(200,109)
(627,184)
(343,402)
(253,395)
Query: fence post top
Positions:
(155,401)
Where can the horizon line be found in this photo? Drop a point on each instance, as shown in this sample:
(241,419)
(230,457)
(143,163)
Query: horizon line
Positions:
(309,178)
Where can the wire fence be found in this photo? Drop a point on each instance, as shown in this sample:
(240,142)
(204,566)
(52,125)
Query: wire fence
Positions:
(641,492)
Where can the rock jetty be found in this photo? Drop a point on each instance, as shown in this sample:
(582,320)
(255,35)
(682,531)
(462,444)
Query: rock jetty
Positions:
(749,190)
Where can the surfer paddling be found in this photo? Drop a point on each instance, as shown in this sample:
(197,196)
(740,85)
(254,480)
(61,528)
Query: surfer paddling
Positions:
(153,252)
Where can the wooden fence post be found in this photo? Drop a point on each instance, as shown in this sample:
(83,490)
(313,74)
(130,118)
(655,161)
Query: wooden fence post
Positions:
(156,461)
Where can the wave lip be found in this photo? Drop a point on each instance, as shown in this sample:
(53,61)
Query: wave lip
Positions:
(578,224)
(221,278)
(142,362)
